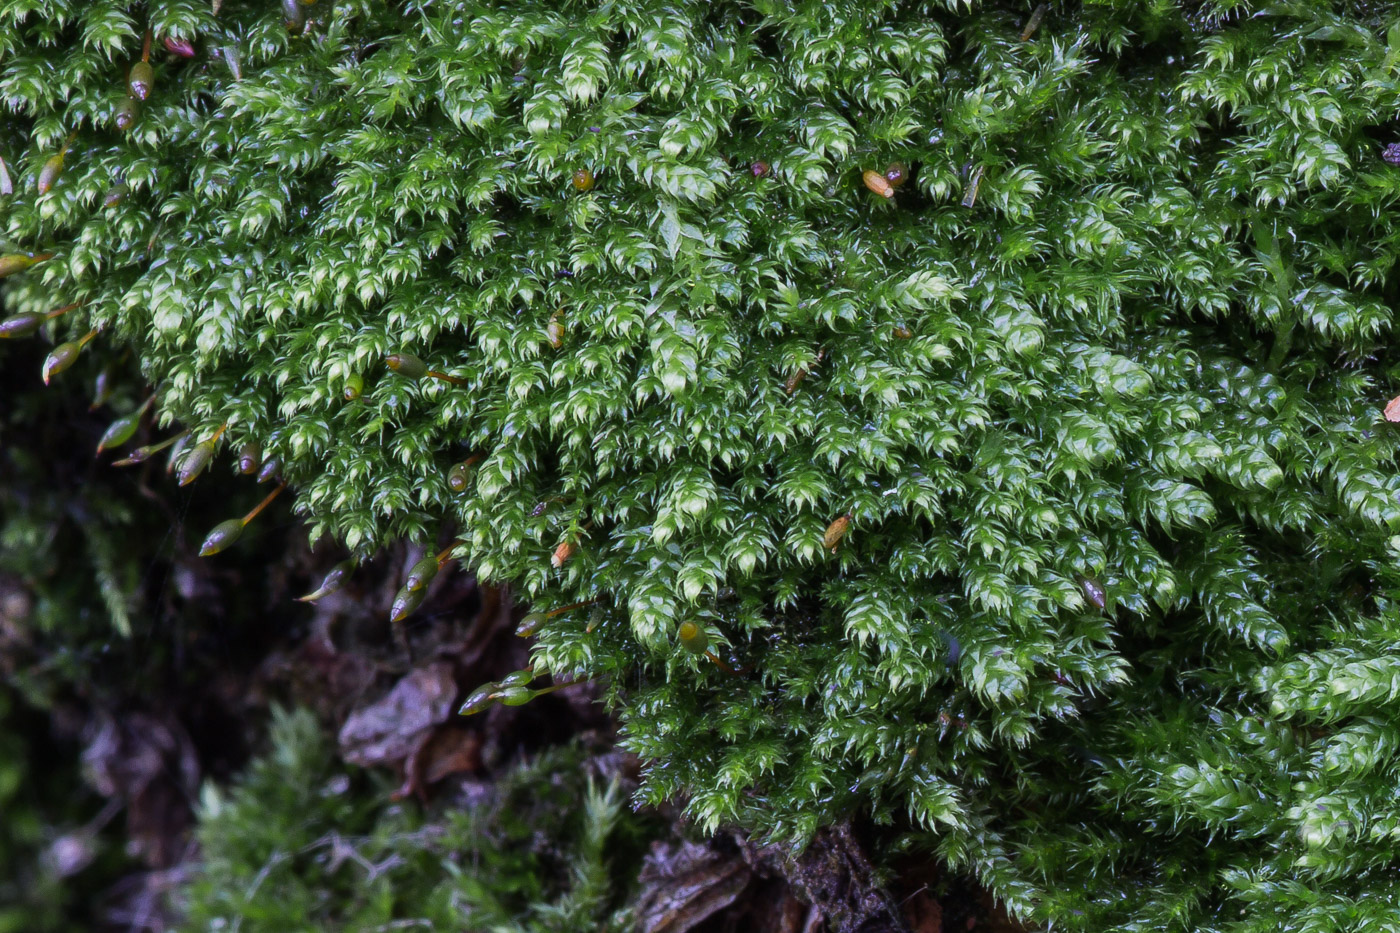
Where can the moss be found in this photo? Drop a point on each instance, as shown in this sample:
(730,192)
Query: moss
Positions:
(299,844)
(1121,338)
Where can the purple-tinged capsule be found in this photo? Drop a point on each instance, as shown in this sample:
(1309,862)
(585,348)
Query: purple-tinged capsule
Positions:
(1093,591)
(478,700)
(421,573)
(405,602)
(222,536)
(249,458)
(330,583)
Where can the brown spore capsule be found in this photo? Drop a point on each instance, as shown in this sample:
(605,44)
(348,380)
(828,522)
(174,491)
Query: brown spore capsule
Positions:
(562,553)
(878,184)
(760,169)
(896,173)
(836,531)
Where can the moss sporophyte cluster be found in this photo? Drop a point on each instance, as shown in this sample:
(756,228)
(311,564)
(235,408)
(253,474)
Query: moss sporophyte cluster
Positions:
(962,415)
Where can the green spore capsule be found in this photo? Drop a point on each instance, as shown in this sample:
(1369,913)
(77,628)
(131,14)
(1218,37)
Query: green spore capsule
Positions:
(177,451)
(18,262)
(330,583)
(223,536)
(48,175)
(125,116)
(142,454)
(520,678)
(421,573)
(457,478)
(249,458)
(515,696)
(270,470)
(405,602)
(226,533)
(478,700)
(530,624)
(293,15)
(194,462)
(20,325)
(7,184)
(62,357)
(407,365)
(115,195)
(121,430)
(354,387)
(140,80)
(583,180)
(693,638)
(102,389)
